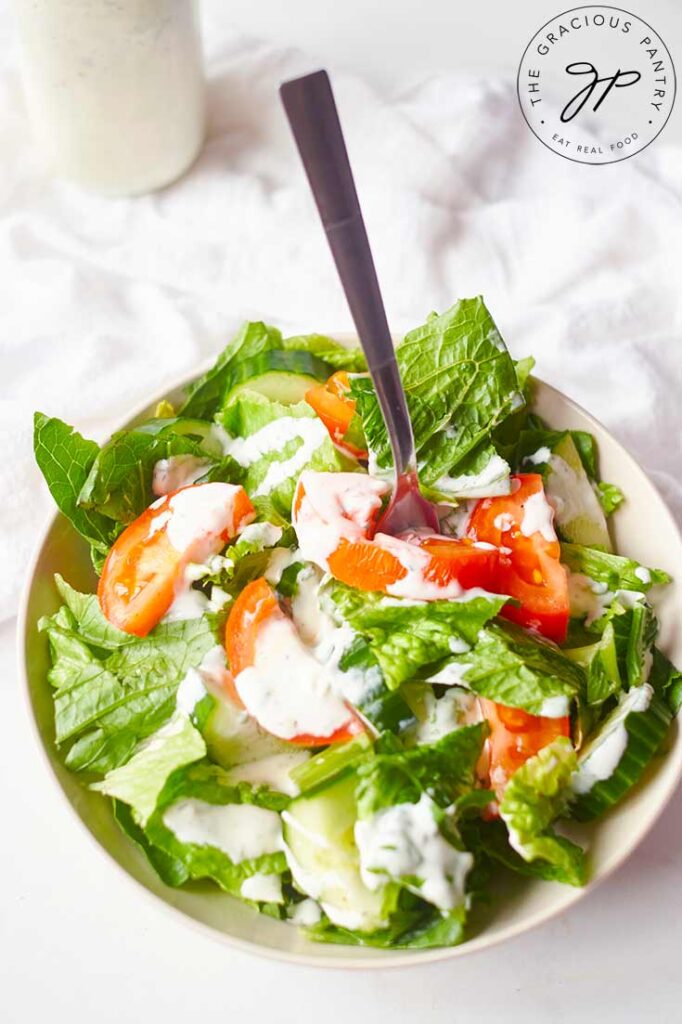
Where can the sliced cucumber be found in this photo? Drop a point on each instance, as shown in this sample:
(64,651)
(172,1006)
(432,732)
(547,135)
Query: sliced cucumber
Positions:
(323,857)
(280,376)
(233,738)
(626,741)
(580,518)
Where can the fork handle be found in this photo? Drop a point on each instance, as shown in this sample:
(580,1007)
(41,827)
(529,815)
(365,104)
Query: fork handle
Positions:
(314,120)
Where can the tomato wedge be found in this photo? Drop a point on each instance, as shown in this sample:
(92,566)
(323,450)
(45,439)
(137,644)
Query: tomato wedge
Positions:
(520,524)
(335,407)
(255,607)
(514,737)
(462,560)
(368,565)
(144,569)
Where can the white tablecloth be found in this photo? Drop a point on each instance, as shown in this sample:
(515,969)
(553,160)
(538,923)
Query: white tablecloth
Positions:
(105,300)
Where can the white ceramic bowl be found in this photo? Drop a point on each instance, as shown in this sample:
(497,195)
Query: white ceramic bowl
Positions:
(643,528)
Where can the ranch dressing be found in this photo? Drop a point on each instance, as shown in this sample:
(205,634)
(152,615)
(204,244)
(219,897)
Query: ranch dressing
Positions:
(115,90)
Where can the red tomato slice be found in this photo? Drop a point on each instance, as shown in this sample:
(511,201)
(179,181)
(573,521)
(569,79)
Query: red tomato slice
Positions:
(144,568)
(529,569)
(365,565)
(460,560)
(256,605)
(514,737)
(335,408)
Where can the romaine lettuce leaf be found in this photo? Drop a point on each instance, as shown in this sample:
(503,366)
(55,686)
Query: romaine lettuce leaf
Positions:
(205,395)
(610,497)
(600,661)
(139,781)
(460,382)
(512,667)
(666,680)
(65,460)
(634,631)
(210,784)
(119,484)
(405,636)
(274,443)
(170,870)
(417,926)
(328,350)
(445,769)
(617,572)
(482,473)
(538,793)
(109,696)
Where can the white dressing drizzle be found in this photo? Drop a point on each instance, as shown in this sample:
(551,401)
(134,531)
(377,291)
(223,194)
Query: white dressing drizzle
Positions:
(404,842)
(242,831)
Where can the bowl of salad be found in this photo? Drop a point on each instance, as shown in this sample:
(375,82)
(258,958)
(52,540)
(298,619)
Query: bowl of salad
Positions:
(326,744)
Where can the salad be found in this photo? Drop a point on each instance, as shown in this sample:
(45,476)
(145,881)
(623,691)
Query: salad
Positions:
(354,733)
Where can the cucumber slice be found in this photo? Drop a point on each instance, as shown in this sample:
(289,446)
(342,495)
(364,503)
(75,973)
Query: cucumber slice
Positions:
(323,857)
(623,746)
(233,738)
(580,518)
(280,376)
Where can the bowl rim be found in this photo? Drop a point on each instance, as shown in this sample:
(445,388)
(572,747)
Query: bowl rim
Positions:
(356,960)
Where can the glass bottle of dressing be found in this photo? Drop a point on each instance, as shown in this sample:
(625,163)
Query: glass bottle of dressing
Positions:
(114,88)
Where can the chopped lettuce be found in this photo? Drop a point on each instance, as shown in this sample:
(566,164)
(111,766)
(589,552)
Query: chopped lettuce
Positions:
(139,781)
(666,680)
(328,350)
(107,696)
(205,395)
(600,661)
(460,382)
(413,926)
(481,473)
(274,443)
(538,793)
(445,770)
(209,785)
(512,667)
(405,636)
(615,571)
(65,460)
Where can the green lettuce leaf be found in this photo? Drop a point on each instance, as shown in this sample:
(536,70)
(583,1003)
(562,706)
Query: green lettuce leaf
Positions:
(210,784)
(405,636)
(108,696)
(512,667)
(538,793)
(490,840)
(617,572)
(666,680)
(139,781)
(445,769)
(482,473)
(419,928)
(460,382)
(248,415)
(600,660)
(610,497)
(65,460)
(328,350)
(205,395)
(119,484)
(170,870)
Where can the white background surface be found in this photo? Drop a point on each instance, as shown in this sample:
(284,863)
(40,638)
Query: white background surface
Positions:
(77,941)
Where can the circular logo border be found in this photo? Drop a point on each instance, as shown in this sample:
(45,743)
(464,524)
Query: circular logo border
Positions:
(574,160)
